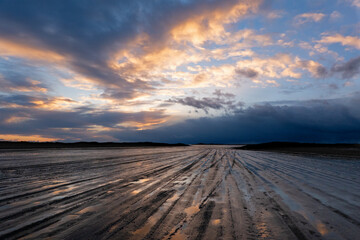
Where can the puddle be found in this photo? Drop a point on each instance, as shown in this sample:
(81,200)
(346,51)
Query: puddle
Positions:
(322,229)
(192,210)
(140,189)
(178,236)
(135,192)
(215,222)
(172,199)
(86,210)
(263,231)
(141,232)
(142,180)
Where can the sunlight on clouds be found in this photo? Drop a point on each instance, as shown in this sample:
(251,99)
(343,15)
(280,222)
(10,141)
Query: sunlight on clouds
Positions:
(338,38)
(209,25)
(58,103)
(355,3)
(246,38)
(31,138)
(316,69)
(308,17)
(12,49)
(24,85)
(319,49)
(278,66)
(98,128)
(118,73)
(79,82)
(156,62)
(16,119)
(275,14)
(138,62)
(149,123)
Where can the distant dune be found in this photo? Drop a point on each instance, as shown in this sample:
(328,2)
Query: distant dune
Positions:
(29,145)
(349,150)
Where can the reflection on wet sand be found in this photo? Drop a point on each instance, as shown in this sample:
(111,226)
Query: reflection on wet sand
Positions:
(178,236)
(263,231)
(216,222)
(192,210)
(141,232)
(321,227)
(142,180)
(135,192)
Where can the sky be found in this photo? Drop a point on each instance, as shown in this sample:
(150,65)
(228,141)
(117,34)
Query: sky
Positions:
(210,71)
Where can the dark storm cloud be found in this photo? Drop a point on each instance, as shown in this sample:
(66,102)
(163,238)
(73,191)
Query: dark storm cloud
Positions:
(310,121)
(221,101)
(348,69)
(247,72)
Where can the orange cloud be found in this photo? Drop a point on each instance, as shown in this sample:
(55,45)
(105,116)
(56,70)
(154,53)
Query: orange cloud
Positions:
(308,17)
(355,3)
(56,103)
(316,69)
(278,66)
(210,25)
(79,82)
(16,119)
(32,138)
(183,43)
(13,49)
(344,40)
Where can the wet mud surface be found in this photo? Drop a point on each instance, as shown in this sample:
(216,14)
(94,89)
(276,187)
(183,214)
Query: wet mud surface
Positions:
(197,192)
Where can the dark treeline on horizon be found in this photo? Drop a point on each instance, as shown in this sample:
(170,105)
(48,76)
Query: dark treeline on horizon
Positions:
(24,144)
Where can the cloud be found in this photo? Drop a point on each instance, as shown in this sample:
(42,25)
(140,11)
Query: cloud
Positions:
(344,40)
(320,49)
(10,48)
(222,100)
(327,120)
(316,69)
(308,17)
(247,72)
(19,101)
(15,82)
(348,69)
(33,138)
(82,123)
(91,40)
(275,14)
(278,66)
(335,15)
(331,120)
(355,3)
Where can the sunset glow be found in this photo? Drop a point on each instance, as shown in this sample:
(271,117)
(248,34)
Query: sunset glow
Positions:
(180,71)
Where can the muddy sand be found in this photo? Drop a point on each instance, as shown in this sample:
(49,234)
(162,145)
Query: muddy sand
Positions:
(197,192)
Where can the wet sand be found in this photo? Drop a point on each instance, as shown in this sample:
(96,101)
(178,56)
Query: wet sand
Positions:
(307,149)
(197,192)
